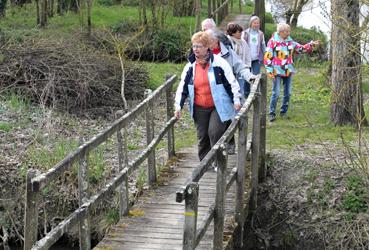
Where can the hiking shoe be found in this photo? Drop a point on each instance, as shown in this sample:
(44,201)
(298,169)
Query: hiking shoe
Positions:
(272,118)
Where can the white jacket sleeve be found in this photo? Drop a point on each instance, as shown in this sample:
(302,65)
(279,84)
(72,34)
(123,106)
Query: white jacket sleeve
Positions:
(181,93)
(228,72)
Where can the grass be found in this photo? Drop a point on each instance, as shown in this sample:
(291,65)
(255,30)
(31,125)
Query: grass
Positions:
(308,118)
(158,71)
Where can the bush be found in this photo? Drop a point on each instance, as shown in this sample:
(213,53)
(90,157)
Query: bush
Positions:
(269,18)
(69,77)
(160,45)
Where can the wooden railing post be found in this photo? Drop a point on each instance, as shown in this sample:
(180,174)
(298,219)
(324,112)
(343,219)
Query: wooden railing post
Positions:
(190,223)
(31,212)
(123,162)
(84,224)
(151,165)
(255,149)
(168,93)
(240,181)
(221,159)
(263,112)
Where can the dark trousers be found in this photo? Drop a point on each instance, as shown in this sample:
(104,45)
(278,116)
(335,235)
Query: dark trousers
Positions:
(209,129)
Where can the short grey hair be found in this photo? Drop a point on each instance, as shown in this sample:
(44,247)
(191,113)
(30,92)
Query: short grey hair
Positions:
(215,34)
(209,23)
(282,27)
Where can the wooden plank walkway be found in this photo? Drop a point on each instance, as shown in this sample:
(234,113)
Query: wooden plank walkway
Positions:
(159,220)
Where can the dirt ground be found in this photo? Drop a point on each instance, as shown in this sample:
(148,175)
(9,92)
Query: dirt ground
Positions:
(302,203)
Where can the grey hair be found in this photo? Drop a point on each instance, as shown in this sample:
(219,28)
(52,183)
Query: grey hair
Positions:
(208,22)
(253,19)
(283,26)
(215,34)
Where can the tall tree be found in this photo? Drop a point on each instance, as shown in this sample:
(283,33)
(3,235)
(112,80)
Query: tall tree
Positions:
(347,96)
(2,8)
(144,15)
(183,7)
(260,12)
(154,13)
(290,9)
(198,15)
(89,18)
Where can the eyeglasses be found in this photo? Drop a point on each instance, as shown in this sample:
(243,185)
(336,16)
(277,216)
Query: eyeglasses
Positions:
(196,46)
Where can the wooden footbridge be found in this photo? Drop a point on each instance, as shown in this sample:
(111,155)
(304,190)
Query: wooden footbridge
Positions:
(199,208)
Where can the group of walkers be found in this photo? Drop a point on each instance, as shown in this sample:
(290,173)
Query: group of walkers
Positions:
(221,67)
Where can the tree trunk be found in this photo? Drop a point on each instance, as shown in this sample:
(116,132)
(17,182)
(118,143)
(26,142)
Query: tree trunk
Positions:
(43,13)
(297,9)
(198,15)
(153,13)
(74,5)
(144,16)
(51,8)
(2,8)
(38,17)
(61,7)
(209,8)
(260,12)
(89,11)
(347,96)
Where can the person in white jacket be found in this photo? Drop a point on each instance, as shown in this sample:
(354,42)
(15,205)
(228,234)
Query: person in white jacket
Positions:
(242,49)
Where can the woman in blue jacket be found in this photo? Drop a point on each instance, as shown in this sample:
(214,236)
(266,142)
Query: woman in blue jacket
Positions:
(213,92)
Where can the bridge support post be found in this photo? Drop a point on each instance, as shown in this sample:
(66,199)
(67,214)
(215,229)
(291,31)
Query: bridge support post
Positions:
(123,162)
(220,198)
(263,112)
(240,182)
(255,150)
(85,223)
(151,165)
(171,149)
(190,223)
(31,213)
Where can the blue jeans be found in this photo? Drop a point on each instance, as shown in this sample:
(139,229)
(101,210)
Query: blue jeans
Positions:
(255,67)
(287,88)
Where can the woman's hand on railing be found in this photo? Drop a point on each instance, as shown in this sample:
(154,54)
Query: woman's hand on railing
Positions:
(177,114)
(237,106)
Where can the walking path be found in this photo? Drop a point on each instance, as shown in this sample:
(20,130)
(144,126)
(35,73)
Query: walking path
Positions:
(157,222)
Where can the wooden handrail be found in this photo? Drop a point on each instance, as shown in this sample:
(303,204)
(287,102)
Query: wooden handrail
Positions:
(42,180)
(219,8)
(255,146)
(87,204)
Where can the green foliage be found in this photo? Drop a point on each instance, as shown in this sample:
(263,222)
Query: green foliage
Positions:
(269,18)
(96,164)
(308,120)
(166,44)
(158,71)
(141,179)
(17,102)
(112,216)
(131,3)
(106,2)
(44,157)
(355,199)
(270,28)
(5,126)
